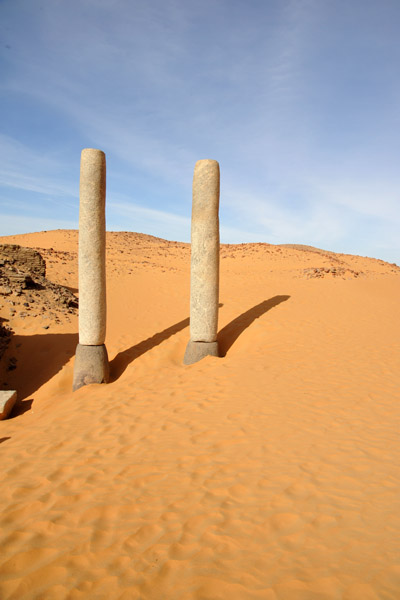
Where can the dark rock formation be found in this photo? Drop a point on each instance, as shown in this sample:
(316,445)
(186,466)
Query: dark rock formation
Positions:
(26,291)
(17,259)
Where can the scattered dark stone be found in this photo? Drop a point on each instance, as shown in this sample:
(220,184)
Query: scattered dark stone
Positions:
(321,272)
(25,280)
(5,335)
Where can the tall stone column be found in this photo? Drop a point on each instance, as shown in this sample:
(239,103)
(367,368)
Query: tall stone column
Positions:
(91,359)
(204,270)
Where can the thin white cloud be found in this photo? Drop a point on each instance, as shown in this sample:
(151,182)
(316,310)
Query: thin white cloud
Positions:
(368,197)
(159,85)
(28,170)
(165,224)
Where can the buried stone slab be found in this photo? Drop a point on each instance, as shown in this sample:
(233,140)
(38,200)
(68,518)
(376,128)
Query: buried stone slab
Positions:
(195,351)
(91,366)
(7,400)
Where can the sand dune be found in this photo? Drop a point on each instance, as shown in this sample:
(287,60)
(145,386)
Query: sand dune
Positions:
(271,473)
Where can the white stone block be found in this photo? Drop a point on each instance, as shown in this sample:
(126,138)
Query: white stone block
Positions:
(7,400)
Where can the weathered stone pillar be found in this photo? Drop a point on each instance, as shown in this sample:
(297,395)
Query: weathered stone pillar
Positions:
(91,360)
(204,271)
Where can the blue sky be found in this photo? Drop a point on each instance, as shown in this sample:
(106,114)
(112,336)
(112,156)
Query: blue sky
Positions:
(298,100)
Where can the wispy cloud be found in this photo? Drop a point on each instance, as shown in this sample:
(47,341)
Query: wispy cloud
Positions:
(146,220)
(158,222)
(296,99)
(25,169)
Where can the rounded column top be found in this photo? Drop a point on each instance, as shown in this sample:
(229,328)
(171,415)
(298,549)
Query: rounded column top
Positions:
(92,153)
(203,162)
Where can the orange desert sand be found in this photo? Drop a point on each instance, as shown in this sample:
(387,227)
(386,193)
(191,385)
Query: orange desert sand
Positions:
(271,473)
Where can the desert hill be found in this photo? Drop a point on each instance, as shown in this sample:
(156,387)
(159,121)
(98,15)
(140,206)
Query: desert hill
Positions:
(270,473)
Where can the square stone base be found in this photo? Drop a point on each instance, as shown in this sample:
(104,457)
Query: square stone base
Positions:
(91,366)
(195,351)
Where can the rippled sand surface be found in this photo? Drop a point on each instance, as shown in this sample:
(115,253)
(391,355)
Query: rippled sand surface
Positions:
(271,473)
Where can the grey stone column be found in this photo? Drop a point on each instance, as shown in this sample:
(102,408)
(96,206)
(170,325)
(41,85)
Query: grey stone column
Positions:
(91,360)
(204,270)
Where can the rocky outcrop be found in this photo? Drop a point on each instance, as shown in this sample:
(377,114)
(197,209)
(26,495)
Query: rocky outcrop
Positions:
(27,292)
(19,260)
(24,269)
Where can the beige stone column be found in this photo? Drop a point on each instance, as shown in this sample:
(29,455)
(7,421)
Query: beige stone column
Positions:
(204,270)
(91,360)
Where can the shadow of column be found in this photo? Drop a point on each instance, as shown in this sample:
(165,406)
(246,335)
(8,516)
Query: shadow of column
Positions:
(123,359)
(230,333)
(39,359)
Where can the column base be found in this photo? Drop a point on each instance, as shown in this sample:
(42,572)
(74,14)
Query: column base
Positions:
(195,351)
(91,366)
